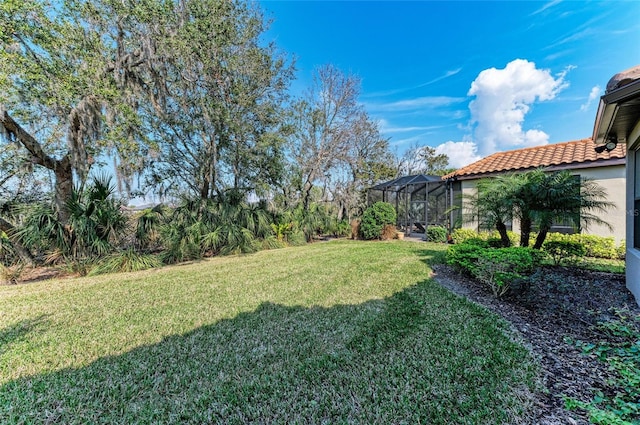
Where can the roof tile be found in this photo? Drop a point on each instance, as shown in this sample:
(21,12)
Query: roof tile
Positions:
(574,152)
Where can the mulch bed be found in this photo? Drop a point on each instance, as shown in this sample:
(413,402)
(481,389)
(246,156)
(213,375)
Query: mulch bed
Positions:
(562,305)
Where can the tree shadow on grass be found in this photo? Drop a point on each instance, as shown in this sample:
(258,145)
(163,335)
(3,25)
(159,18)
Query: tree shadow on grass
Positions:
(433,256)
(20,330)
(397,360)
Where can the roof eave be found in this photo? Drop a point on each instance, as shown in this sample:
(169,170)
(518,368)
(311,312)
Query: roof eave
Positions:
(608,109)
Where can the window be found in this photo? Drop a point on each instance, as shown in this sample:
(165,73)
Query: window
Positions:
(571,224)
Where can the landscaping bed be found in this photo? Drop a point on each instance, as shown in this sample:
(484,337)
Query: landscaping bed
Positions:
(563,305)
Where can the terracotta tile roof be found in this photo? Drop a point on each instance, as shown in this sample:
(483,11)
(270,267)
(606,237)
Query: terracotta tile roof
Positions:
(577,153)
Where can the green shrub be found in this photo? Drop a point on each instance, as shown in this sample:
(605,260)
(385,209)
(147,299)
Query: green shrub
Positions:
(495,267)
(494,242)
(622,251)
(375,217)
(338,228)
(461,235)
(464,256)
(596,246)
(281,230)
(514,238)
(564,250)
(478,241)
(296,238)
(436,234)
(499,267)
(126,261)
(272,242)
(599,246)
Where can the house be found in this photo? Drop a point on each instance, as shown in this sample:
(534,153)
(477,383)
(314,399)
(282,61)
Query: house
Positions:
(607,168)
(617,124)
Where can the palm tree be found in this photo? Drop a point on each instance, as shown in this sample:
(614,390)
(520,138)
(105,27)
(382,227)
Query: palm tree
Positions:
(494,203)
(563,197)
(95,224)
(538,198)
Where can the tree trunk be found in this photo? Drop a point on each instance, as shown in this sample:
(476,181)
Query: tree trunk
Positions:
(22,252)
(61,168)
(63,188)
(542,235)
(525,230)
(502,230)
(306,195)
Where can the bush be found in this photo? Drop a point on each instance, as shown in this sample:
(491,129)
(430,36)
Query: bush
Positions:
(622,251)
(494,242)
(461,235)
(297,238)
(436,234)
(126,261)
(272,242)
(374,219)
(564,250)
(464,256)
(596,246)
(498,268)
(340,228)
(495,267)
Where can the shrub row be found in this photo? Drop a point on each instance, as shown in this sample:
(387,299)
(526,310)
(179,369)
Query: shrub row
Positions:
(595,246)
(462,234)
(498,268)
(556,244)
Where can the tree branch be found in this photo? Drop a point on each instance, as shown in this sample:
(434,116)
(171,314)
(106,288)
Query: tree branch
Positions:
(27,140)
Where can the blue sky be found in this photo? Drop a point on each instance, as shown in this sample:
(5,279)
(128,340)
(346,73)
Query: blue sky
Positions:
(468,78)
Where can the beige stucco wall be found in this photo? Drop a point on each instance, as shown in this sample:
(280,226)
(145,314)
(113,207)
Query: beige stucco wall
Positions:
(612,179)
(468,188)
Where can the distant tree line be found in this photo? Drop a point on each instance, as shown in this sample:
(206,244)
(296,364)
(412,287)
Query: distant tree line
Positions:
(180,100)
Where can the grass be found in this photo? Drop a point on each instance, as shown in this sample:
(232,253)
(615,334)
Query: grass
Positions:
(595,264)
(337,332)
(602,265)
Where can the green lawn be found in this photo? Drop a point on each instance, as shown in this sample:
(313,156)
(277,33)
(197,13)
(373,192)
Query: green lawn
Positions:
(336,332)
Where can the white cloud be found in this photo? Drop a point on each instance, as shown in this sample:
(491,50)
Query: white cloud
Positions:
(416,103)
(386,127)
(546,6)
(442,77)
(459,153)
(502,99)
(593,95)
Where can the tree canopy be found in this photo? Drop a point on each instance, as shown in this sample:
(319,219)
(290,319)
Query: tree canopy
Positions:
(179,99)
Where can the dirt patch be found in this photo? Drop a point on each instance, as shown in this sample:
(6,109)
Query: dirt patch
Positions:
(36,274)
(561,305)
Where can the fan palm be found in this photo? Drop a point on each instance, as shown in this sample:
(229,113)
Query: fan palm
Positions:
(95,224)
(563,197)
(494,203)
